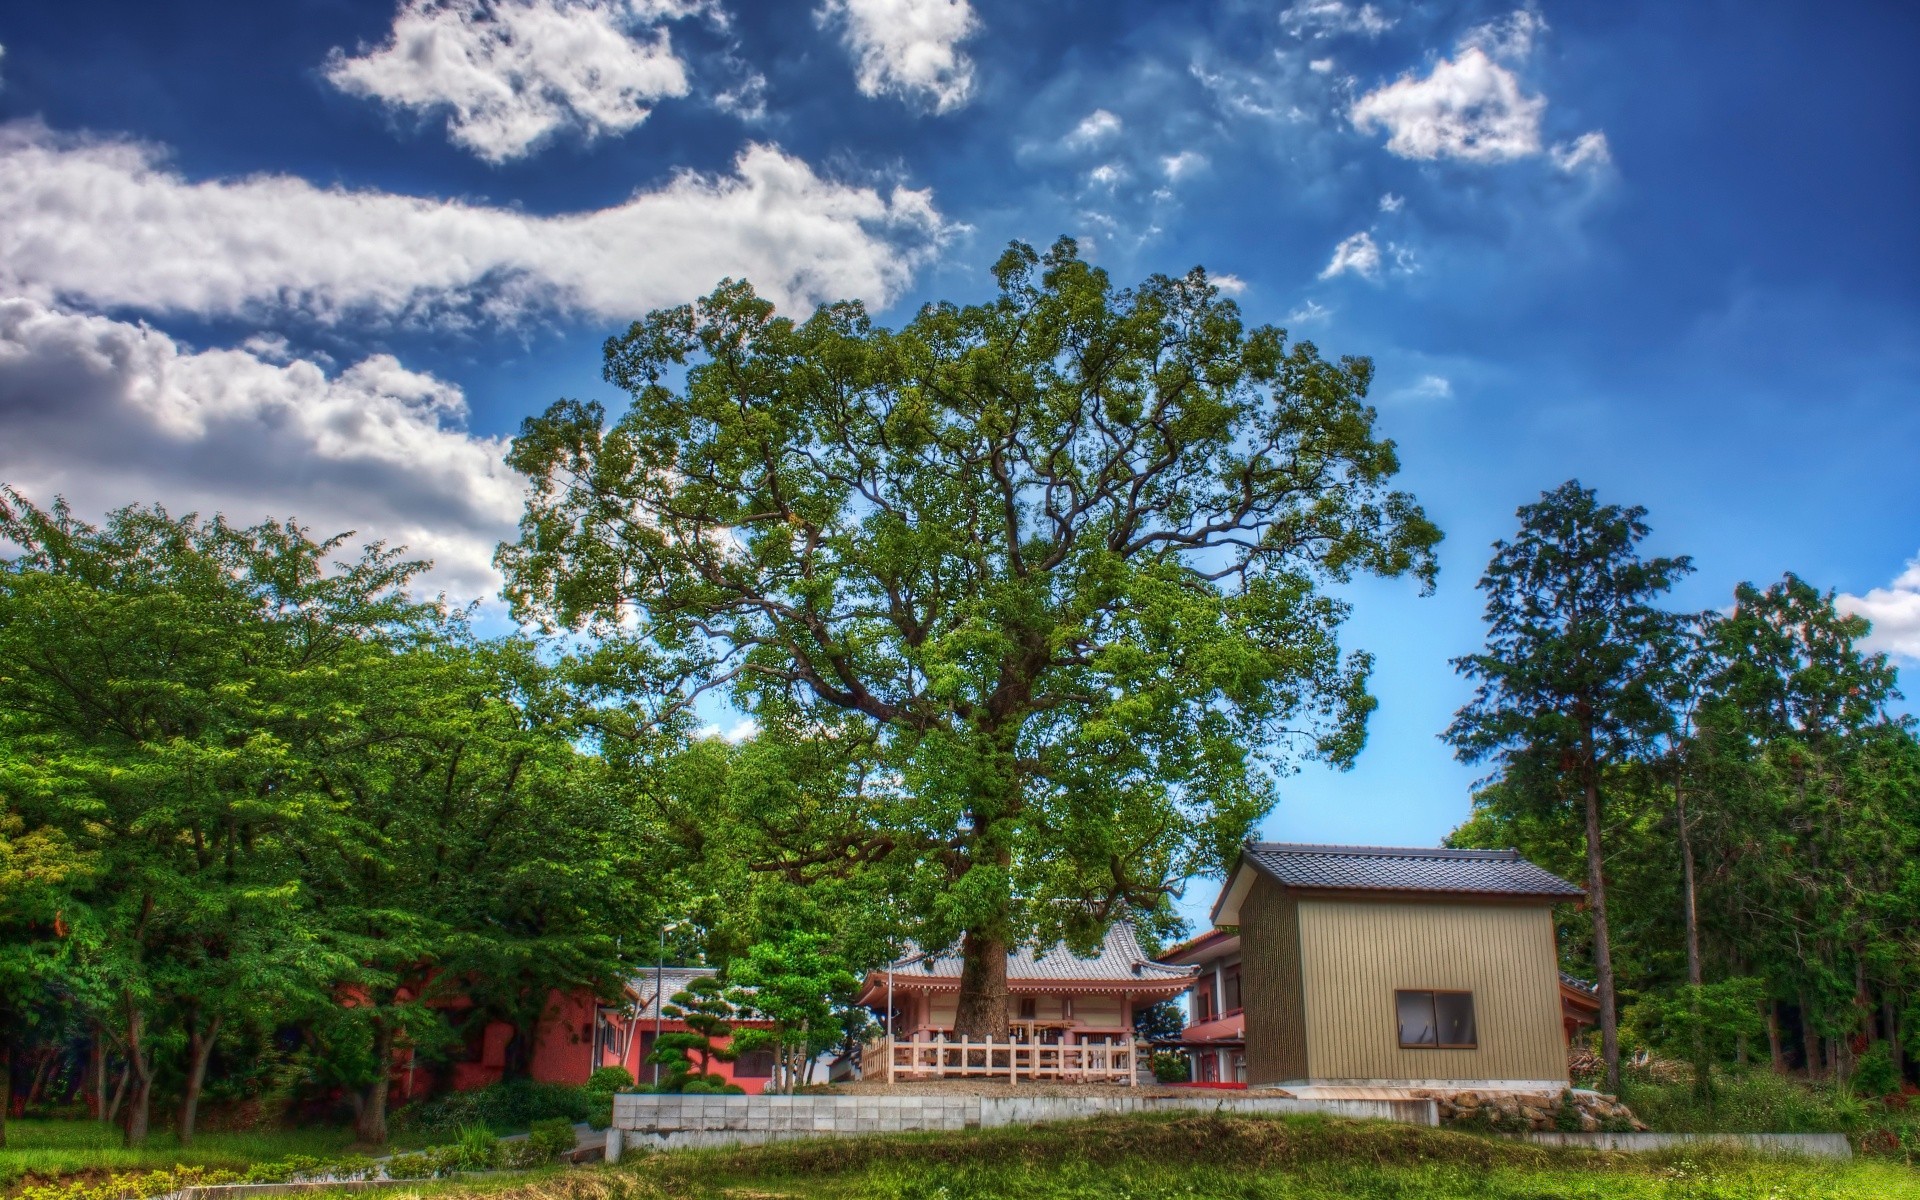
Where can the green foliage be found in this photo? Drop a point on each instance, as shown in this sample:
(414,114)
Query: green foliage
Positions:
(1059,563)
(689,1054)
(1874,1074)
(551,1137)
(503,1108)
(1749,1101)
(601,1087)
(805,987)
(477,1147)
(1566,1115)
(1171,1067)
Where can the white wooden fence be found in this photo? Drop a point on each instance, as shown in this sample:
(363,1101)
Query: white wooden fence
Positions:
(940,1057)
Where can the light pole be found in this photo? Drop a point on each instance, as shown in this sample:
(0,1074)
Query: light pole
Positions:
(659,993)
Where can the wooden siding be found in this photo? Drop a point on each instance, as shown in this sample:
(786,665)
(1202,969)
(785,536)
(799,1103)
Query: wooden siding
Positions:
(1355,954)
(1270,985)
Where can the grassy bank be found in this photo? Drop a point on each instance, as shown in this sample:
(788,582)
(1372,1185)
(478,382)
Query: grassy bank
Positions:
(1186,1157)
(48,1149)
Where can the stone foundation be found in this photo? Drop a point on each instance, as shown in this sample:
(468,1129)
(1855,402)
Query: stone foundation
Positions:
(1535,1112)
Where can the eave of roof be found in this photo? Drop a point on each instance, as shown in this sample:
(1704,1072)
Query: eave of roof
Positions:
(1392,870)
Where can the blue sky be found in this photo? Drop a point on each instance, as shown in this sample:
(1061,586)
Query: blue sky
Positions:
(318,257)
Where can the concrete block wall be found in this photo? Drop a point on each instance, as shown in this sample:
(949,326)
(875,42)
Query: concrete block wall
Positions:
(675,1122)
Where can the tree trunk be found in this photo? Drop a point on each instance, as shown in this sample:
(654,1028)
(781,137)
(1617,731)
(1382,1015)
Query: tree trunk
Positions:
(1809,1040)
(1775,1049)
(1602,945)
(119,1095)
(980,1013)
(6,1087)
(99,1073)
(371,1127)
(199,1050)
(140,1068)
(1890,1022)
(1688,903)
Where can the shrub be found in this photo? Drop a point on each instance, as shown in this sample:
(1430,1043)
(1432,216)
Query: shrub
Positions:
(1874,1074)
(503,1108)
(477,1148)
(601,1087)
(1170,1067)
(551,1137)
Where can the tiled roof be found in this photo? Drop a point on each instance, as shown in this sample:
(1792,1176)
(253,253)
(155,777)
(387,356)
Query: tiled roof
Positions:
(1579,985)
(1386,868)
(673,979)
(1120,959)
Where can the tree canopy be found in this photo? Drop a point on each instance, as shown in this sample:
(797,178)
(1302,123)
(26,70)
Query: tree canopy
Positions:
(1063,555)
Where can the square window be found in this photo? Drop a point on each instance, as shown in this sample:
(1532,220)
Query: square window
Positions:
(1028,1008)
(1436,1020)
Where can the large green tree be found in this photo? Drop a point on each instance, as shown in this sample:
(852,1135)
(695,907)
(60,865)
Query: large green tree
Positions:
(1063,554)
(1577,676)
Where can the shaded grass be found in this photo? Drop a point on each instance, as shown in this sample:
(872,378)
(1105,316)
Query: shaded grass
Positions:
(1175,1157)
(49,1149)
(1754,1101)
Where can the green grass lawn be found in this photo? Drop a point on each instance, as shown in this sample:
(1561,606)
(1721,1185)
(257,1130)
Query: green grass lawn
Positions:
(48,1149)
(1191,1157)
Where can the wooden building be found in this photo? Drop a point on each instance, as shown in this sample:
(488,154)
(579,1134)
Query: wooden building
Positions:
(1215,1037)
(1071,1016)
(1369,966)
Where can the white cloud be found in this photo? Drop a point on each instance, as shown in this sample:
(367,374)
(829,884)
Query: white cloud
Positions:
(1589,150)
(1357,254)
(908,48)
(1232,285)
(1469,108)
(1096,127)
(510,74)
(106,223)
(111,413)
(1309,313)
(1391,203)
(1179,166)
(1509,37)
(1324,18)
(1404,261)
(1321,66)
(1428,387)
(1107,175)
(1894,611)
(744,728)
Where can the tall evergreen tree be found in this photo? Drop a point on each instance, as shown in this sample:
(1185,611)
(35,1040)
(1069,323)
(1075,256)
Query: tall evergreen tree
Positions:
(1575,677)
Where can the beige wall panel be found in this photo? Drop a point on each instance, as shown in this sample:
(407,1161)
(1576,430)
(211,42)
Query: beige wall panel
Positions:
(1103,1011)
(1356,953)
(1270,985)
(943,1009)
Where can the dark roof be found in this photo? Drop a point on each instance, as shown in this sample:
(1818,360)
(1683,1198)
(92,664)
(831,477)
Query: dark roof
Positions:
(1120,958)
(1398,869)
(1578,984)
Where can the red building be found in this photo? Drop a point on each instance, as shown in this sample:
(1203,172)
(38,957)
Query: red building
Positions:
(579,1034)
(1215,1039)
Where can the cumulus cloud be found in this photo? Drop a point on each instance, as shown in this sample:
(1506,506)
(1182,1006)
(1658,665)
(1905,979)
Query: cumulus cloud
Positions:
(1390,203)
(1233,285)
(1107,175)
(1321,66)
(1358,255)
(908,48)
(1510,37)
(110,413)
(107,223)
(1469,107)
(1179,166)
(1894,611)
(1428,387)
(1309,313)
(510,74)
(1095,128)
(1589,151)
(1324,18)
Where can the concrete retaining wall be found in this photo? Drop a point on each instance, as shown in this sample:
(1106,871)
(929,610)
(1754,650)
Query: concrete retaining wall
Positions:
(1810,1145)
(675,1122)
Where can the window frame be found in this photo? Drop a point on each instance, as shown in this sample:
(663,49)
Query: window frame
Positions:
(1433,995)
